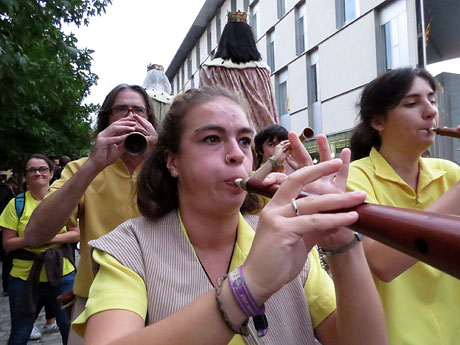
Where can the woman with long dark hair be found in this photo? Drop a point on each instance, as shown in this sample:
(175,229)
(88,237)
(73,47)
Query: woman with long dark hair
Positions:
(396,112)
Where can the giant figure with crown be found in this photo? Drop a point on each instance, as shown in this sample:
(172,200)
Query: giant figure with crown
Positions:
(237,66)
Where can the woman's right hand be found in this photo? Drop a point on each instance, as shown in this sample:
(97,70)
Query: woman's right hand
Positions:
(283,239)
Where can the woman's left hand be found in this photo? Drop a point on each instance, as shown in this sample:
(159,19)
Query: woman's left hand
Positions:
(332,183)
(282,151)
(284,237)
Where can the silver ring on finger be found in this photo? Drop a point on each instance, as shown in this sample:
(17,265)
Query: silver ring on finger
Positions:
(294,205)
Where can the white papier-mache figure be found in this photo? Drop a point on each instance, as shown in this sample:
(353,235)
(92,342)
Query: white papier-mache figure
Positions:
(158,88)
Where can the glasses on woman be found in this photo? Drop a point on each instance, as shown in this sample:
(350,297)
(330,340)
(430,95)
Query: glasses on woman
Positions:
(41,170)
(123,110)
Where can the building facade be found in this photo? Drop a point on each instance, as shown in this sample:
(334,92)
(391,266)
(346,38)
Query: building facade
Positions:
(321,53)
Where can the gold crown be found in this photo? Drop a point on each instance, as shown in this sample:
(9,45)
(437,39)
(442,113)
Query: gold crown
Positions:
(155,66)
(237,17)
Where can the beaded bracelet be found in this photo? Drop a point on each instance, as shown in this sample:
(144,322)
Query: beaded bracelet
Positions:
(273,162)
(243,329)
(246,301)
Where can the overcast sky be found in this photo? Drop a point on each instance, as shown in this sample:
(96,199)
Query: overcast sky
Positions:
(134,33)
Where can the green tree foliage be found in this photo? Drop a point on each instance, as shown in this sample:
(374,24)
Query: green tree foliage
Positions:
(44,78)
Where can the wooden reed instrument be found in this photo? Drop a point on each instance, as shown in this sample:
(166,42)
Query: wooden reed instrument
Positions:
(429,237)
(446,132)
(307,133)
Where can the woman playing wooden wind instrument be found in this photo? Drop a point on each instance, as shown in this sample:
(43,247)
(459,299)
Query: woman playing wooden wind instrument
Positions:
(162,277)
(397,111)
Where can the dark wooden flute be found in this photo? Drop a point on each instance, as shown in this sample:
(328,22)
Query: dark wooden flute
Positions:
(307,133)
(429,237)
(446,132)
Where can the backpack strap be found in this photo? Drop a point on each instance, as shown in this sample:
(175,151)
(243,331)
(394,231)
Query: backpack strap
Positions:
(19,202)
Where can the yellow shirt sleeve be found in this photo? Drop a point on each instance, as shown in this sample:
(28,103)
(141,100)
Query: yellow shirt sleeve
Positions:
(359,180)
(114,287)
(319,290)
(8,218)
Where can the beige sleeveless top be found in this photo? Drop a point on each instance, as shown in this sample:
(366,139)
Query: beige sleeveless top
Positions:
(160,253)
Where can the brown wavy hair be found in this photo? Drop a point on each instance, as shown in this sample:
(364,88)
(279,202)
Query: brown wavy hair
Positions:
(157,189)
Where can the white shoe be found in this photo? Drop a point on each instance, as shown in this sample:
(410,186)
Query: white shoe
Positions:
(35,334)
(51,328)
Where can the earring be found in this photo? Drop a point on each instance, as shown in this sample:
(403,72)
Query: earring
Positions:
(174,172)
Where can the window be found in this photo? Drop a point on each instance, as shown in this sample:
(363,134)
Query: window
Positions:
(281,7)
(218,25)
(313,89)
(346,11)
(281,92)
(178,84)
(300,26)
(189,67)
(392,37)
(197,55)
(245,5)
(182,77)
(233,6)
(255,20)
(314,83)
(350,12)
(271,49)
(208,39)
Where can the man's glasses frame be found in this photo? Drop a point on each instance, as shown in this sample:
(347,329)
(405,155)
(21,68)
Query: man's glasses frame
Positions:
(123,110)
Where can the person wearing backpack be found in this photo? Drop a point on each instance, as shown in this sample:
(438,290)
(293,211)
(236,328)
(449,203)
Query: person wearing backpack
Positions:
(6,194)
(40,273)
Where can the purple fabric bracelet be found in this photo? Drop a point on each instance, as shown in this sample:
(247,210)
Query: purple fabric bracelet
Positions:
(242,294)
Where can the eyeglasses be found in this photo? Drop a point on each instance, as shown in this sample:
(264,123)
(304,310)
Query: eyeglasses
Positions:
(41,170)
(123,110)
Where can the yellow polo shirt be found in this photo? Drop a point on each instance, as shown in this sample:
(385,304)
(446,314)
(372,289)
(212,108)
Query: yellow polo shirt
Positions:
(117,287)
(108,201)
(9,220)
(422,304)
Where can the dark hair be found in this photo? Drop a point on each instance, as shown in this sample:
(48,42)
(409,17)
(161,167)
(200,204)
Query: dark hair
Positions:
(157,189)
(378,97)
(103,117)
(270,133)
(237,44)
(48,161)
(63,160)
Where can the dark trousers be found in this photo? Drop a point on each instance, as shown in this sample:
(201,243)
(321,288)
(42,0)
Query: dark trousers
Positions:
(7,264)
(22,325)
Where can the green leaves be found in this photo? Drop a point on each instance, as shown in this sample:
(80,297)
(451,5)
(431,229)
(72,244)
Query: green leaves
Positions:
(44,78)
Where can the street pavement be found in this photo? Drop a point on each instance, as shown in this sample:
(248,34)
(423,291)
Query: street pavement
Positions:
(5,324)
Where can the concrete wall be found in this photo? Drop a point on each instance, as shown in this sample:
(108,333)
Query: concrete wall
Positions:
(347,56)
(347,59)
